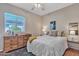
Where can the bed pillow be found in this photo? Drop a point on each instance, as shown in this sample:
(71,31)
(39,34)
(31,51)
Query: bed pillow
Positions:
(32,38)
(53,33)
(61,33)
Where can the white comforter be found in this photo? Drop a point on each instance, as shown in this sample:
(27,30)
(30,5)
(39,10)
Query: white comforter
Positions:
(48,46)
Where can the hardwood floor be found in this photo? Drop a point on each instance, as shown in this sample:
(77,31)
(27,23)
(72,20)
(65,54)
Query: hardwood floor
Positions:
(71,52)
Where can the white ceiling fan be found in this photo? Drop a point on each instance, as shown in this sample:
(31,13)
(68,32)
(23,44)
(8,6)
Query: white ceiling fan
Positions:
(38,6)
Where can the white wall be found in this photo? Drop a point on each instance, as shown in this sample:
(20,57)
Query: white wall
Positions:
(63,17)
(32,21)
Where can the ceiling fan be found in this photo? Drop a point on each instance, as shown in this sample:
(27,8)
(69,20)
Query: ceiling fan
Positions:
(38,6)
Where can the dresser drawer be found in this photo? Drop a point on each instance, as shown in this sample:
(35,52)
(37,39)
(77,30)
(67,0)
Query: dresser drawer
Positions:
(14,46)
(7,45)
(7,41)
(14,40)
(7,49)
(19,46)
(25,42)
(26,38)
(14,43)
(20,37)
(20,41)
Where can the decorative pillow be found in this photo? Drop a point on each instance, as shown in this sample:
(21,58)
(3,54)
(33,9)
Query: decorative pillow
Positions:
(59,33)
(53,33)
(32,38)
(62,33)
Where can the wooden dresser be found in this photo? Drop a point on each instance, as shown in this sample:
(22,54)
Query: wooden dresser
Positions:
(15,42)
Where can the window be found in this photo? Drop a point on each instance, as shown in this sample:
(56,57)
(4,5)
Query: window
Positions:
(53,25)
(13,23)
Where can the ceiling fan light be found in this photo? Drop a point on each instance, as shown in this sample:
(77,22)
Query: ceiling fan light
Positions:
(37,5)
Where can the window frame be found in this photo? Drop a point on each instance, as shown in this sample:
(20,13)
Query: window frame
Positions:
(16,20)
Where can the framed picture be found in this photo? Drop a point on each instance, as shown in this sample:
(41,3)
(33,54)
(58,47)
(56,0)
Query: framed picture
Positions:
(53,25)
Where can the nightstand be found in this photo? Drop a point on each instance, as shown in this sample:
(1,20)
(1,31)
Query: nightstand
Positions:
(73,42)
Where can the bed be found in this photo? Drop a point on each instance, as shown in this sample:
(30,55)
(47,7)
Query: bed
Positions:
(48,46)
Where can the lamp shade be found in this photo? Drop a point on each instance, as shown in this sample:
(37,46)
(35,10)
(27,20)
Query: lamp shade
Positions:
(72,32)
(44,29)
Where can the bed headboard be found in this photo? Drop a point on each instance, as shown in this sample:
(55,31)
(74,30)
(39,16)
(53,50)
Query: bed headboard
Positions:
(57,33)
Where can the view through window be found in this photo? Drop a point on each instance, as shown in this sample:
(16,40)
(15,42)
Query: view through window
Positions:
(14,23)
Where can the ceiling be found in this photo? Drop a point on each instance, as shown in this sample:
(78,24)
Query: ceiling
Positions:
(49,7)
